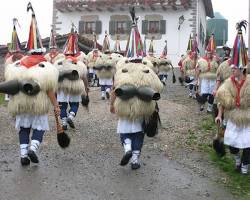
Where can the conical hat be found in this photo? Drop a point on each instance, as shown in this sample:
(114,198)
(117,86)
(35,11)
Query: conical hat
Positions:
(52,39)
(71,45)
(15,45)
(106,44)
(211,46)
(34,44)
(134,44)
(239,57)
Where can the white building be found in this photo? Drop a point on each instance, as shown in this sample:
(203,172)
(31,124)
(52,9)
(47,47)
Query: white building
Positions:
(160,19)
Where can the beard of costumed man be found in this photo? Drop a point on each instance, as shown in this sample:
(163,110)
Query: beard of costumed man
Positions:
(32,82)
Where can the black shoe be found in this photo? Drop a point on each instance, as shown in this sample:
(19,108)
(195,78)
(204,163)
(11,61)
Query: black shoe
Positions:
(103,98)
(25,161)
(135,166)
(33,157)
(70,122)
(64,127)
(125,159)
(201,108)
(107,95)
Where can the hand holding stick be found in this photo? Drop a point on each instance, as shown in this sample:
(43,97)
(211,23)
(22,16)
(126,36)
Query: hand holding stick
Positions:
(62,138)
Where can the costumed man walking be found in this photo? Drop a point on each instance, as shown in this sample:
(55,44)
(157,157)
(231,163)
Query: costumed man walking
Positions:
(233,100)
(136,87)
(33,82)
(54,54)
(74,84)
(164,65)
(189,69)
(104,67)
(206,73)
(91,58)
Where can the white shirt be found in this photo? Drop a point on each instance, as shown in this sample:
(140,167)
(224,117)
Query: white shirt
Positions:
(128,126)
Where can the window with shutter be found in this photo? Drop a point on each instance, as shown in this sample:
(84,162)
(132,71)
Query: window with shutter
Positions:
(90,27)
(112,27)
(129,25)
(153,27)
(163,26)
(145,27)
(98,27)
(81,27)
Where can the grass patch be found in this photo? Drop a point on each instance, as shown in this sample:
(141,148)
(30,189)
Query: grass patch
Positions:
(2,98)
(239,184)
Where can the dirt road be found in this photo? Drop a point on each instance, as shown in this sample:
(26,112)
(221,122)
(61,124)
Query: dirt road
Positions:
(89,168)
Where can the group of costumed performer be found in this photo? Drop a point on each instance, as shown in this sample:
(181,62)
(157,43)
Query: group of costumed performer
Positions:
(31,82)
(135,89)
(206,74)
(233,98)
(74,84)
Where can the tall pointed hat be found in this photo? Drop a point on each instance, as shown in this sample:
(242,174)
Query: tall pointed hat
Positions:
(71,45)
(134,45)
(52,39)
(239,57)
(211,46)
(15,45)
(34,44)
(151,47)
(164,53)
(117,47)
(106,44)
(190,43)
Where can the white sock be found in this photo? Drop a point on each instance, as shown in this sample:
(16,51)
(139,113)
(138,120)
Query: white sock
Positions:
(34,145)
(71,115)
(103,94)
(127,145)
(210,107)
(135,156)
(64,121)
(24,150)
(237,159)
(244,169)
(108,90)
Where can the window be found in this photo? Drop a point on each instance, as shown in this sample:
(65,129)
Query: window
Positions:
(88,27)
(121,27)
(154,27)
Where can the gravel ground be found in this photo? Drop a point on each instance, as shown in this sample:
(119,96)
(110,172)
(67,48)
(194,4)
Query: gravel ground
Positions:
(89,168)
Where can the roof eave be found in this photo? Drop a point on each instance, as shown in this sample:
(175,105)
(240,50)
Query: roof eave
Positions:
(209,8)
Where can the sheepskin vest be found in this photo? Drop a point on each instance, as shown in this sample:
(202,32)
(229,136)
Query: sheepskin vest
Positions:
(224,71)
(207,68)
(189,66)
(235,98)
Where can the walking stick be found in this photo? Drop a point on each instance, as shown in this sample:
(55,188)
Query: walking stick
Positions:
(62,138)
(173,77)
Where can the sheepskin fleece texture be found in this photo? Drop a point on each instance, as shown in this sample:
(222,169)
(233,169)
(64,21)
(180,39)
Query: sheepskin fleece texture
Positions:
(116,57)
(136,75)
(164,67)
(108,61)
(8,61)
(121,63)
(149,60)
(226,96)
(49,59)
(91,60)
(202,65)
(72,87)
(82,57)
(223,71)
(188,66)
(46,77)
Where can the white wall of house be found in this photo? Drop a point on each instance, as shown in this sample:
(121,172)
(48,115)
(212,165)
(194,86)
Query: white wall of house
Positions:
(177,39)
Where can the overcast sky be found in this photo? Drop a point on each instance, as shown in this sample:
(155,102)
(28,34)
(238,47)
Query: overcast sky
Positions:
(233,10)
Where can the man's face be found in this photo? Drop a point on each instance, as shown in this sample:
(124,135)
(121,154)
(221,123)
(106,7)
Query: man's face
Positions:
(209,54)
(95,53)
